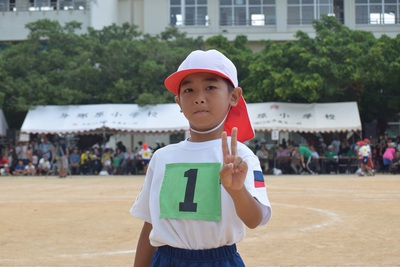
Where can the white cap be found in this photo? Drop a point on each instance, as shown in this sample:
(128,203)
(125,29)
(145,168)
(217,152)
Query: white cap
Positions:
(211,61)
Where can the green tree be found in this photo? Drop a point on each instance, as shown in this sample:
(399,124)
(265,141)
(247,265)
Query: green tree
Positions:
(117,64)
(238,51)
(337,65)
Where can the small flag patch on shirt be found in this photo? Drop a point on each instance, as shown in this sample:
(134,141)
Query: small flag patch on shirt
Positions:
(258,179)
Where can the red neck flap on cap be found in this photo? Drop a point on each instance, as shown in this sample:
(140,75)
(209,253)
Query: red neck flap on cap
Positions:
(239,117)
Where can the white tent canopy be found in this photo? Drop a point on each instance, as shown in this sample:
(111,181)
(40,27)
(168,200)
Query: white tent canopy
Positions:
(110,118)
(166,118)
(309,118)
(3,124)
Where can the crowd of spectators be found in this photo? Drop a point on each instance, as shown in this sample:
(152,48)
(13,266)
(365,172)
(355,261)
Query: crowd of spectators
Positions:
(337,156)
(37,158)
(44,157)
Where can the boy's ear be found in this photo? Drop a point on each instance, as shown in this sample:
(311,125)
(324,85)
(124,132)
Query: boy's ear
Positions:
(235,96)
(178,101)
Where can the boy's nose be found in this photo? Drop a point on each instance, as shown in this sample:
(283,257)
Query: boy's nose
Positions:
(200,99)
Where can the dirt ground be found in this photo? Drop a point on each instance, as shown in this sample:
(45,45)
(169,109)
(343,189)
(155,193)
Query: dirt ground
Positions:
(317,220)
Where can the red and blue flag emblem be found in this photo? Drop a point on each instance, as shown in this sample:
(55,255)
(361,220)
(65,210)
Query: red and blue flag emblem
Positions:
(258,179)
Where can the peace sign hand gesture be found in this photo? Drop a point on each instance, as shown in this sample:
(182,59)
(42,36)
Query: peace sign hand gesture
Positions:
(234,169)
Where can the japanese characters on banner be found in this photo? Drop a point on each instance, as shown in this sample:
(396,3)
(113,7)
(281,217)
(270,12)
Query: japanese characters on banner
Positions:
(114,117)
(167,118)
(292,117)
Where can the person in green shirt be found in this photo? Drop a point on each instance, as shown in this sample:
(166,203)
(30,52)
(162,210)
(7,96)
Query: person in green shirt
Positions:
(305,157)
(331,160)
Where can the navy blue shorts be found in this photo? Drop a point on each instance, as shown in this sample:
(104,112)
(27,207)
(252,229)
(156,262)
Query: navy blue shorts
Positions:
(226,256)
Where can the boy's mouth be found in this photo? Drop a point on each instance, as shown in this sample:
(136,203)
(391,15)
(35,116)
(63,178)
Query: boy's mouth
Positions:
(200,112)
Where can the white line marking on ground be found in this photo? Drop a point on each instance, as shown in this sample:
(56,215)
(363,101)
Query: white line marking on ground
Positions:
(96,254)
(346,191)
(86,255)
(53,199)
(332,217)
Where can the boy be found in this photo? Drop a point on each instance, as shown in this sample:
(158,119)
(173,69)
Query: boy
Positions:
(30,169)
(364,154)
(44,165)
(199,194)
(370,163)
(19,169)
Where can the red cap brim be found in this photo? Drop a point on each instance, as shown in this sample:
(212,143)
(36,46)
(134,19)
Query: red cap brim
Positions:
(173,81)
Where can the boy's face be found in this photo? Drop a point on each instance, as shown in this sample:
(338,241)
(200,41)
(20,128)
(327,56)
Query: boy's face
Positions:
(205,100)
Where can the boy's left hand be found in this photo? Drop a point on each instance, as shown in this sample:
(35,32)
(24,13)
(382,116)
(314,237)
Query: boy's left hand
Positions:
(234,169)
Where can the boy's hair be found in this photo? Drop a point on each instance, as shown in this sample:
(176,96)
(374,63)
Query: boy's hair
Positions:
(213,61)
(230,86)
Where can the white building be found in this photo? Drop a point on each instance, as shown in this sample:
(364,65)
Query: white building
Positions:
(257,19)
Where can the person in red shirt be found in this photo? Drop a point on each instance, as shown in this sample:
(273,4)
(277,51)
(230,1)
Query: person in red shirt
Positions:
(4,166)
(3,161)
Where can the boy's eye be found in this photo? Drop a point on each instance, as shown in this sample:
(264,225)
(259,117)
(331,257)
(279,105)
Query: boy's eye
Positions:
(210,87)
(187,90)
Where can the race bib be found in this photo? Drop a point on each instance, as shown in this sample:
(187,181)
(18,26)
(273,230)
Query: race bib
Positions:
(191,191)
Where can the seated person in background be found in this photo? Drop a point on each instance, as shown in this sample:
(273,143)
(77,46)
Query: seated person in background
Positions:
(331,160)
(351,153)
(106,161)
(5,170)
(396,163)
(85,166)
(315,162)
(118,160)
(30,169)
(19,169)
(344,147)
(295,162)
(388,156)
(263,156)
(96,157)
(44,165)
(3,161)
(283,158)
(74,162)
(35,159)
(128,165)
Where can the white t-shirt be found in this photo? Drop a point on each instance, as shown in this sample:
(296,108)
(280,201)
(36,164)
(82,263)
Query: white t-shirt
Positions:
(189,233)
(28,168)
(315,154)
(146,153)
(44,163)
(369,149)
(365,151)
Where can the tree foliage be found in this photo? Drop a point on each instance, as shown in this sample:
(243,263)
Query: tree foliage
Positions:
(337,65)
(118,64)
